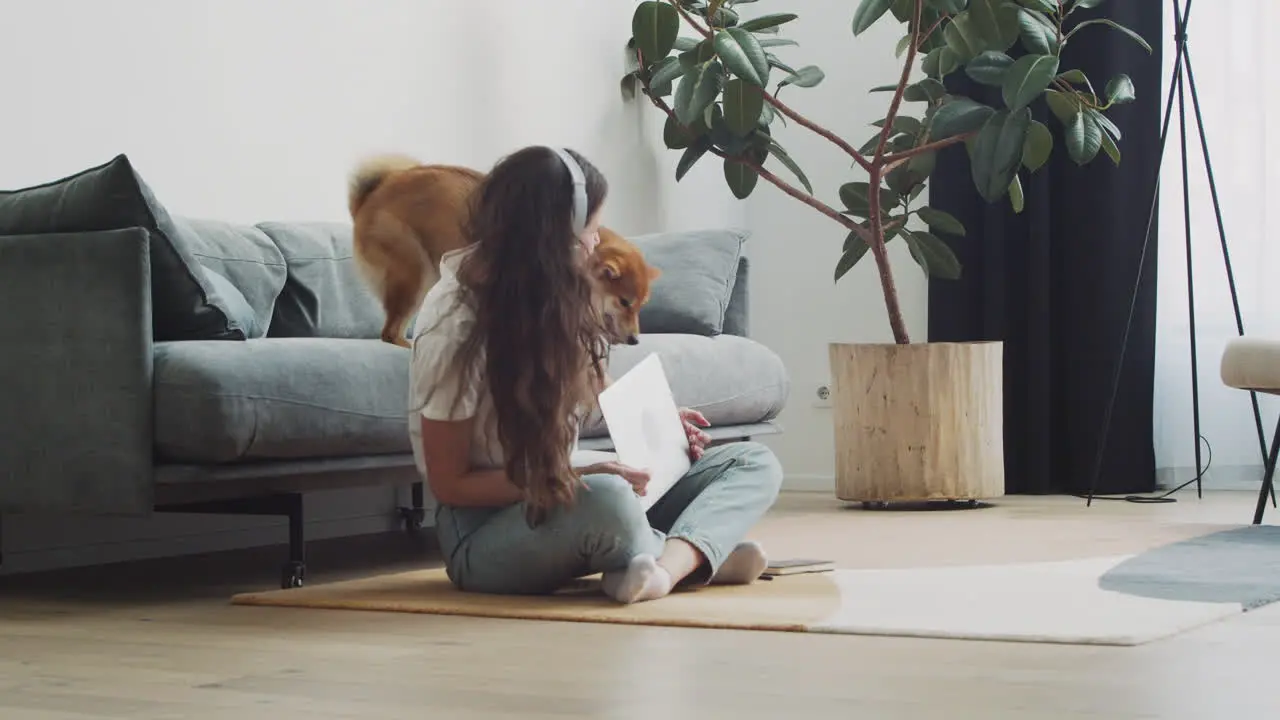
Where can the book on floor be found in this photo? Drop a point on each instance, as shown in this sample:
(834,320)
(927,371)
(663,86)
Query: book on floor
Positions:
(796,566)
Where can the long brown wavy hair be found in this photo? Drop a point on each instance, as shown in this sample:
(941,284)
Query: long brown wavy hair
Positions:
(541,335)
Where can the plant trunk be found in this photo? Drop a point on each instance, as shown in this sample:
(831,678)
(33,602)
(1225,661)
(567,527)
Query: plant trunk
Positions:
(881,255)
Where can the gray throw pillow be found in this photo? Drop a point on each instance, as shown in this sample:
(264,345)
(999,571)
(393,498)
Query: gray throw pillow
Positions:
(699,271)
(113,197)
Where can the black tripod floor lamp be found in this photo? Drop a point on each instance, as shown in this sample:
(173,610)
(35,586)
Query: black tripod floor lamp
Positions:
(1181,85)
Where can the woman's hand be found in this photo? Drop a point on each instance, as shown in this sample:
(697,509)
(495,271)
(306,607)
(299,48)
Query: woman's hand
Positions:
(698,439)
(639,479)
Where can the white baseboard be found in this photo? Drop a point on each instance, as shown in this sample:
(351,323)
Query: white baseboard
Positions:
(1220,477)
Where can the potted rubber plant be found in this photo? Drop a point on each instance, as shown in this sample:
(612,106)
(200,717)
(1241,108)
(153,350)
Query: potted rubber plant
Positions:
(913,421)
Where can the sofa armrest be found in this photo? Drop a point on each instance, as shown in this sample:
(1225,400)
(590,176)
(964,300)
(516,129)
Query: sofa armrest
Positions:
(75,373)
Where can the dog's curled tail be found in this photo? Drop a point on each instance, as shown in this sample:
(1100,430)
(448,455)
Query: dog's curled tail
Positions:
(370,172)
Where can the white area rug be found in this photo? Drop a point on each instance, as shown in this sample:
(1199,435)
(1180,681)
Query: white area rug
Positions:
(1051,602)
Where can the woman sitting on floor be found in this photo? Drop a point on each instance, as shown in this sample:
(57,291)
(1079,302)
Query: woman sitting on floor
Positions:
(508,350)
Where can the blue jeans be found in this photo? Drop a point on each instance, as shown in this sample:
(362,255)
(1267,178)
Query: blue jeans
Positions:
(724,494)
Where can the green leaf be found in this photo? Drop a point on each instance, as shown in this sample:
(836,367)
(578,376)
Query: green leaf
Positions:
(903,43)
(742,107)
(740,178)
(666,74)
(868,12)
(674,135)
(855,196)
(1083,137)
(989,67)
(996,23)
(951,7)
(697,90)
(1016,197)
(1103,21)
(767,115)
(723,18)
(775,62)
(806,77)
(1048,6)
(655,27)
(884,88)
(1027,78)
(741,53)
(1063,106)
(778,152)
(904,179)
(941,62)
(776,42)
(903,124)
(1075,77)
(1110,148)
(721,135)
(1039,35)
(932,254)
(692,155)
(963,38)
(855,248)
(959,117)
(941,221)
(997,151)
(1038,146)
(927,90)
(1086,4)
(765,22)
(1120,90)
(685,44)
(1105,123)
(903,10)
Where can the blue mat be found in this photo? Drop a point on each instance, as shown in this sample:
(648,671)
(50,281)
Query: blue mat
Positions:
(1233,566)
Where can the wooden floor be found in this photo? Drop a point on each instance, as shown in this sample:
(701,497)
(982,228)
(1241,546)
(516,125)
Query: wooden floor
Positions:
(158,640)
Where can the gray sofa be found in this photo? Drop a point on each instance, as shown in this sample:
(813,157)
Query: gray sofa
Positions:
(153,363)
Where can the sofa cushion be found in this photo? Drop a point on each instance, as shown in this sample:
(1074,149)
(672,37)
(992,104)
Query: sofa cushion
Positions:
(244,255)
(112,196)
(324,294)
(731,380)
(278,398)
(699,272)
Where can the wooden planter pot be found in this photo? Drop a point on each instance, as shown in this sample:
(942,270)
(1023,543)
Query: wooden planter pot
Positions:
(918,422)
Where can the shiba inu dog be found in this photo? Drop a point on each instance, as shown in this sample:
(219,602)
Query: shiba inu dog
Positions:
(407,215)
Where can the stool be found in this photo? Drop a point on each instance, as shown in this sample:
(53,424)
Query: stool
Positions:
(1254,364)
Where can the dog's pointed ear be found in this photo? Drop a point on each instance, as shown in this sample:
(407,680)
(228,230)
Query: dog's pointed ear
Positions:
(654,273)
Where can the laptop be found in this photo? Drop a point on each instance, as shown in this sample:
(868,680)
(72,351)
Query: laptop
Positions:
(645,427)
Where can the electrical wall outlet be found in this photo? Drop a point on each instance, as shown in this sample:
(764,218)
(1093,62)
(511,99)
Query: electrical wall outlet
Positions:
(822,396)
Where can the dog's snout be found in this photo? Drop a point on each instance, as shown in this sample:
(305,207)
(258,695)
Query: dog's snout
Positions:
(633,340)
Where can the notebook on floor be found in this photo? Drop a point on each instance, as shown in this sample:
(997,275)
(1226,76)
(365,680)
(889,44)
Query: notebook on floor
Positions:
(796,566)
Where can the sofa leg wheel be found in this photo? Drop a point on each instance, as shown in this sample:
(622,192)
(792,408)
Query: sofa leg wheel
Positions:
(292,575)
(414,519)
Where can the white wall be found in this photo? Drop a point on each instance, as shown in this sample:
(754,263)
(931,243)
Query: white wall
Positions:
(1232,54)
(251,110)
(797,307)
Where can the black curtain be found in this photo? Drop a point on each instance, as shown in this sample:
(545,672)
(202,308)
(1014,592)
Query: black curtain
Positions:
(1055,282)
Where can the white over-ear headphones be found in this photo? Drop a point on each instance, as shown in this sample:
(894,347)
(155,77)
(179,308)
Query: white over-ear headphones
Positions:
(579,218)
